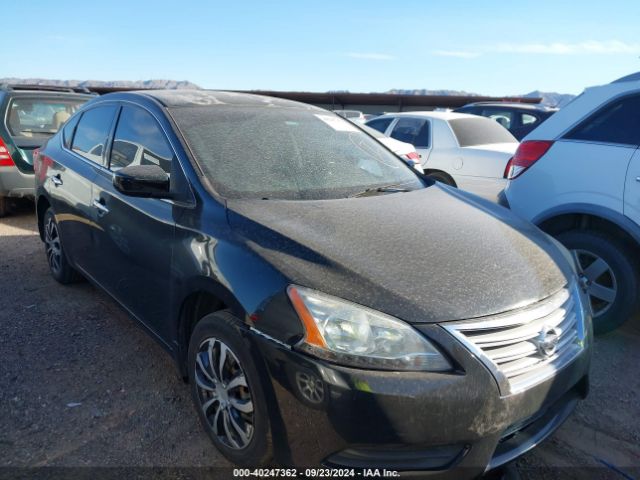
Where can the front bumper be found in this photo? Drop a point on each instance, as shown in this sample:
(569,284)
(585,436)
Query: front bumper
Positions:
(453,423)
(14,183)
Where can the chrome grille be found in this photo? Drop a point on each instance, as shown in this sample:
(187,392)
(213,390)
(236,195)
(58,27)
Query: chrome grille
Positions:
(526,346)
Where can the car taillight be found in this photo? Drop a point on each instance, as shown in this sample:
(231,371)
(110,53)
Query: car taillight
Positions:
(5,156)
(413,156)
(36,161)
(526,155)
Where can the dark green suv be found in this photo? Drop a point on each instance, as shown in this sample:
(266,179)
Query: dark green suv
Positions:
(30,115)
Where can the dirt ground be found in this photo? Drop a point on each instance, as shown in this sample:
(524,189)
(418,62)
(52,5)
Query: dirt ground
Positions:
(82,385)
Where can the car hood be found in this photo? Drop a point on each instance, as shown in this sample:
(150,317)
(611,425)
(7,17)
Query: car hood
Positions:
(429,255)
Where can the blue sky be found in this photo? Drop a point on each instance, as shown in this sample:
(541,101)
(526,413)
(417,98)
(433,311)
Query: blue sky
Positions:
(489,47)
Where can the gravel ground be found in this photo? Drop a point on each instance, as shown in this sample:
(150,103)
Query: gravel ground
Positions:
(82,385)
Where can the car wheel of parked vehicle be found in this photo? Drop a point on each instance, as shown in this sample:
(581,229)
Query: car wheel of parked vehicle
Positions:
(226,389)
(442,178)
(58,264)
(609,273)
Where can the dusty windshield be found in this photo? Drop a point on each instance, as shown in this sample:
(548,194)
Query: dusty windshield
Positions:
(39,117)
(287,153)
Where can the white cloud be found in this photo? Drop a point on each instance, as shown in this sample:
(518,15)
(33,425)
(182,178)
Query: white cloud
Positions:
(370,56)
(590,47)
(456,53)
(560,48)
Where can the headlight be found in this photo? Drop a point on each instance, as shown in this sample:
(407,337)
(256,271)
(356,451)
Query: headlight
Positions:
(350,334)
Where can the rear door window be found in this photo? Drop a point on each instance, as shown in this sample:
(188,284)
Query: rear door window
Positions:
(412,130)
(618,122)
(39,117)
(92,132)
(380,124)
(502,116)
(139,140)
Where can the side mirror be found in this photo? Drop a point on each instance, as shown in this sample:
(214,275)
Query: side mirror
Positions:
(142,181)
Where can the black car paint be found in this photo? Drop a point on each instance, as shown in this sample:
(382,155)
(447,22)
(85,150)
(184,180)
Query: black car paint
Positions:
(154,256)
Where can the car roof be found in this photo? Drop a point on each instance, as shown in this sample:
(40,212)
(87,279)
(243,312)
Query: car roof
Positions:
(582,106)
(446,116)
(523,106)
(633,77)
(199,98)
(47,94)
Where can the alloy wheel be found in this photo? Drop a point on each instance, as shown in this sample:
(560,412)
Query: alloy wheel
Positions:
(310,386)
(599,280)
(224,394)
(53,247)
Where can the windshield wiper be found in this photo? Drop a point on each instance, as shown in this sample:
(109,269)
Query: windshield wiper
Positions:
(383,189)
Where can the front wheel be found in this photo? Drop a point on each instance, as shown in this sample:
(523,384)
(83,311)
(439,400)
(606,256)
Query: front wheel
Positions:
(609,274)
(59,266)
(227,392)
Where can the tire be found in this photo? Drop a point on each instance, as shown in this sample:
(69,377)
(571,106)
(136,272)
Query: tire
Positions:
(442,178)
(59,266)
(611,274)
(4,206)
(222,331)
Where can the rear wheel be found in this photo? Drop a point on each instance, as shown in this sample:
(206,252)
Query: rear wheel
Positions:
(442,177)
(58,264)
(609,274)
(226,390)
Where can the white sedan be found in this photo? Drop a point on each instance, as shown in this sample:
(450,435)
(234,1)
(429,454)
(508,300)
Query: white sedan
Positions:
(404,150)
(465,151)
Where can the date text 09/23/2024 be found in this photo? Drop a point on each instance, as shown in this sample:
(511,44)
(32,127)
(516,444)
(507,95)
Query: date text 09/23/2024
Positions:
(314,473)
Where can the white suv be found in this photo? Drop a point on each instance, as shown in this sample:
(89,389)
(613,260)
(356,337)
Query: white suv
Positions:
(577,176)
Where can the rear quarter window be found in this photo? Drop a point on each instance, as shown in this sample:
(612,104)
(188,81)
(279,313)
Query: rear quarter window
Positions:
(618,122)
(67,131)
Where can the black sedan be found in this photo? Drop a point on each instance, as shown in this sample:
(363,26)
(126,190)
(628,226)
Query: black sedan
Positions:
(327,304)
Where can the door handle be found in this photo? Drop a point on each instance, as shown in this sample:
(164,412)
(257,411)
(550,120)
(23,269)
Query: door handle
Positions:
(637,179)
(56,180)
(100,206)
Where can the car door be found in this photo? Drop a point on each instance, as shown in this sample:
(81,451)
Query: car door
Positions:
(417,132)
(70,175)
(136,234)
(600,157)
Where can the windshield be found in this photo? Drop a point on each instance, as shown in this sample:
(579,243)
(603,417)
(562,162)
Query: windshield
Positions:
(39,117)
(480,131)
(282,153)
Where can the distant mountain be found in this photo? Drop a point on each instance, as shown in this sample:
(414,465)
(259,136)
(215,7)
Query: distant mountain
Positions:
(424,91)
(143,84)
